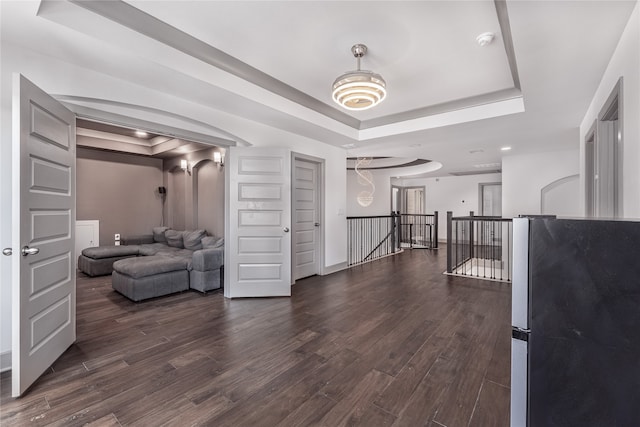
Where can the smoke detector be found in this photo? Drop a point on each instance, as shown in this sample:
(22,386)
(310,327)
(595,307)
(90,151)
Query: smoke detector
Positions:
(485,39)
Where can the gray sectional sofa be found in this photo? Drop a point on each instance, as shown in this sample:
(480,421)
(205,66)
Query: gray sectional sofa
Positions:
(163,263)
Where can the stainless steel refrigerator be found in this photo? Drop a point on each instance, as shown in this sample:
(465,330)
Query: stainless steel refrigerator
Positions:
(575,349)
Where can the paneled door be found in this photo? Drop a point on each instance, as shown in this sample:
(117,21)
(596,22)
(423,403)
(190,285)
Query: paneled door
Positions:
(257,222)
(306,219)
(44,192)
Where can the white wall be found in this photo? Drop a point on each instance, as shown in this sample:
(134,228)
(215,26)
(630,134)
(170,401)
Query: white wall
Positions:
(381,204)
(524,176)
(458,194)
(625,62)
(562,197)
(58,77)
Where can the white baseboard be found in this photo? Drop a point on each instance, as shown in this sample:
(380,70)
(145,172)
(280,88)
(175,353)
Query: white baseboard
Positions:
(334,268)
(5,361)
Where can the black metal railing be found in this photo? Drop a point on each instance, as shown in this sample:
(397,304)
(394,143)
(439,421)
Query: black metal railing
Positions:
(479,246)
(419,230)
(371,237)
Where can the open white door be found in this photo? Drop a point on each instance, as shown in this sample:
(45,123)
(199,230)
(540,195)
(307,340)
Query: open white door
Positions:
(257,221)
(43,210)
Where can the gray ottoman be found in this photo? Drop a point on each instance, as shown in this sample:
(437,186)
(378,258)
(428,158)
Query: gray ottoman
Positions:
(98,261)
(150,276)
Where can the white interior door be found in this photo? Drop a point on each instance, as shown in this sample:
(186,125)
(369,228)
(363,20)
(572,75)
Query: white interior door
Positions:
(306,237)
(44,192)
(257,222)
(413,201)
(491,200)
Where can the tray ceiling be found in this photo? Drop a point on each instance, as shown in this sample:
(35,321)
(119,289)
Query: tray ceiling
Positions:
(273,63)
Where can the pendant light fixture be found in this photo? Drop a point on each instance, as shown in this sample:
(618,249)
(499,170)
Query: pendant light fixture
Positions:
(359,89)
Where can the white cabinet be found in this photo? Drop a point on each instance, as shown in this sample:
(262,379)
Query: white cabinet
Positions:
(87,235)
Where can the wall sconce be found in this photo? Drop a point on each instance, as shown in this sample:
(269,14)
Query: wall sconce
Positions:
(217,158)
(184,165)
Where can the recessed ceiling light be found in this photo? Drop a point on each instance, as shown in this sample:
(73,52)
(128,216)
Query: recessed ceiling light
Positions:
(348,145)
(476,151)
(506,148)
(141,134)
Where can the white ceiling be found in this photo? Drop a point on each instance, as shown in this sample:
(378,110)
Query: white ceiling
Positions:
(425,50)
(449,100)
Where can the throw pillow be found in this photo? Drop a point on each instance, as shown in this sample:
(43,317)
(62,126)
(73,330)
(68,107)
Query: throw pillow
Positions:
(212,242)
(158,234)
(192,239)
(174,238)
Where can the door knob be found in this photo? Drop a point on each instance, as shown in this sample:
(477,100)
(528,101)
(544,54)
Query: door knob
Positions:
(29,251)
(286,229)
(7,251)
(317,224)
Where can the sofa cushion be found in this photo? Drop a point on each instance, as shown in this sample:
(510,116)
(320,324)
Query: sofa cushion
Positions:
(154,248)
(212,242)
(158,234)
(192,239)
(99,252)
(174,238)
(144,239)
(149,266)
(176,253)
(169,251)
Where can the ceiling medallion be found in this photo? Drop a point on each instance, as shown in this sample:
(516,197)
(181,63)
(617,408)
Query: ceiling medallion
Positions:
(359,89)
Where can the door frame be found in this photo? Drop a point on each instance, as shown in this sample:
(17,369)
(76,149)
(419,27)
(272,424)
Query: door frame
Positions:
(399,198)
(613,106)
(590,172)
(403,199)
(481,194)
(424,197)
(321,203)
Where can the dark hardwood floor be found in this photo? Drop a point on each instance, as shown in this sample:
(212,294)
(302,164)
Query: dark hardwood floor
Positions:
(393,342)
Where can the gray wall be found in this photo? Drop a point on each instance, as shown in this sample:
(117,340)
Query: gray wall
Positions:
(176,199)
(195,200)
(119,190)
(210,198)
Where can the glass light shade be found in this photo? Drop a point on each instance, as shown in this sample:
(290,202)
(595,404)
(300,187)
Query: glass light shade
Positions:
(217,157)
(183,164)
(359,90)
